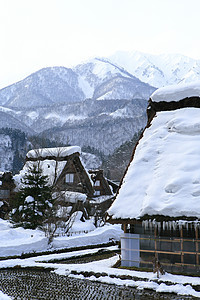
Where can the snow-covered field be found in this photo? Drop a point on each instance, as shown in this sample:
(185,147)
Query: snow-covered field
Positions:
(15,241)
(3,296)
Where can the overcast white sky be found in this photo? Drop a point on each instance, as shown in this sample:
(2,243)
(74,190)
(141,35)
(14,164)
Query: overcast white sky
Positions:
(39,33)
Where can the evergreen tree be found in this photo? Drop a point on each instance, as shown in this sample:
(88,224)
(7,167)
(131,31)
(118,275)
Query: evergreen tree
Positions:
(34,200)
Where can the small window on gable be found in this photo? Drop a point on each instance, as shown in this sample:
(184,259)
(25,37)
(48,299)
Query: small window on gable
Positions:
(0,182)
(97,193)
(97,183)
(4,194)
(69,178)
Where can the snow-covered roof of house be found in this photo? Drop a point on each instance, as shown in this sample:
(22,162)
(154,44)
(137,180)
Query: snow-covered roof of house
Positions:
(50,166)
(74,197)
(69,196)
(54,152)
(176,92)
(164,176)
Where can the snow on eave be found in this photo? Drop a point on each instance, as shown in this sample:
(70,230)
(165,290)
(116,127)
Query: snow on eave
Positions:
(54,152)
(176,92)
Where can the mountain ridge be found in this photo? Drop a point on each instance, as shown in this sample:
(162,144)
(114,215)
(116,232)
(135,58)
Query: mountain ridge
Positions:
(100,103)
(159,70)
(59,85)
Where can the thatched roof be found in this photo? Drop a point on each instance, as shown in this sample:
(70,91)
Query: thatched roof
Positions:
(163,177)
(51,160)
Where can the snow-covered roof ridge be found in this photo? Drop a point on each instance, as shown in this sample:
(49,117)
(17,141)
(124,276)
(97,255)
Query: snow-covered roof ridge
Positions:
(176,92)
(53,152)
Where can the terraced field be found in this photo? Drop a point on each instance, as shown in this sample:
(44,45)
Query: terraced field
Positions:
(37,284)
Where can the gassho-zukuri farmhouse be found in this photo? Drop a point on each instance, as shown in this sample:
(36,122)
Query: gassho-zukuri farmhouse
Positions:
(158,201)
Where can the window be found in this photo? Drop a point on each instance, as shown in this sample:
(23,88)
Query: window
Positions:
(69,178)
(4,194)
(97,193)
(97,183)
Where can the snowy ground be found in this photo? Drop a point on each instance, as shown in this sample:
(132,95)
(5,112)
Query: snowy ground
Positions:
(17,241)
(4,297)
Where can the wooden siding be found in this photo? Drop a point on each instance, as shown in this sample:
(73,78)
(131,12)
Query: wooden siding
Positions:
(81,181)
(177,250)
(103,188)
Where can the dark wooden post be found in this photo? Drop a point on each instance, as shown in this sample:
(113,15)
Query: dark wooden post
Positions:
(155,242)
(197,246)
(125,228)
(181,234)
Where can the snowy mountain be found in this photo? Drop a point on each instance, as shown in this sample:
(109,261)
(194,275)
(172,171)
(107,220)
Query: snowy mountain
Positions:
(14,145)
(47,86)
(98,79)
(158,70)
(9,119)
(106,80)
(97,104)
(100,103)
(103,125)
(124,75)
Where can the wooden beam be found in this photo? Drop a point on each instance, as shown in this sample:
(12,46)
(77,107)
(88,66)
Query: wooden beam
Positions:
(171,240)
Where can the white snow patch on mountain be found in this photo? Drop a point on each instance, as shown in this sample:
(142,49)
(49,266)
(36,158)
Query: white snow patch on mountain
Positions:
(102,68)
(5,109)
(121,113)
(33,115)
(64,118)
(87,89)
(106,96)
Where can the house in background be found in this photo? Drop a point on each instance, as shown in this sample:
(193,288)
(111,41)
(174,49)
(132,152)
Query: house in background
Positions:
(68,175)
(100,183)
(6,190)
(6,185)
(63,167)
(158,202)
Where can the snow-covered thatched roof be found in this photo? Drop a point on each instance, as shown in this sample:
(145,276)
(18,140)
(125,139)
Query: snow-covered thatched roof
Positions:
(74,197)
(51,160)
(176,92)
(53,152)
(164,176)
